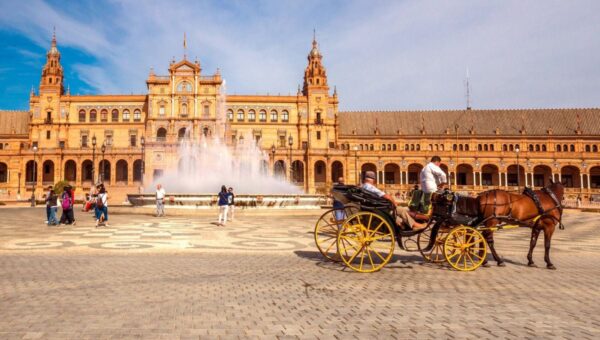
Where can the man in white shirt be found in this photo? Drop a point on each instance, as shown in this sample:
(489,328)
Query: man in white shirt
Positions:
(402,216)
(432,176)
(160,200)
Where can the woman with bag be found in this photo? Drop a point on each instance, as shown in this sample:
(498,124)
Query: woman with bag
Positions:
(68,216)
(102,207)
(223,205)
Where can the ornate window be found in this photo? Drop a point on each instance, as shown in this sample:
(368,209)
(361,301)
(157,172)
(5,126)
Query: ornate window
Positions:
(285,116)
(82,116)
(240,115)
(206,110)
(137,115)
(273,115)
(161,110)
(115,115)
(230,115)
(93,116)
(184,86)
(104,115)
(262,115)
(126,115)
(251,115)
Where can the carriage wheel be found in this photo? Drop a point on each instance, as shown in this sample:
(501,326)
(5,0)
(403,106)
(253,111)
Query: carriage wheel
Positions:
(326,231)
(435,253)
(465,248)
(366,242)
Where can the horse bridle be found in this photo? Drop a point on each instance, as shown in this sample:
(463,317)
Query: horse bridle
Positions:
(557,205)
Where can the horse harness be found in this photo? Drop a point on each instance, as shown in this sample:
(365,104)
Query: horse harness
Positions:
(536,200)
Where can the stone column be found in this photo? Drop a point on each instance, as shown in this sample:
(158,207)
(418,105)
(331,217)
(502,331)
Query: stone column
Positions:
(581,181)
(589,184)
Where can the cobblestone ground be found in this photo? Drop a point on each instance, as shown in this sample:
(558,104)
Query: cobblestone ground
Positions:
(262,277)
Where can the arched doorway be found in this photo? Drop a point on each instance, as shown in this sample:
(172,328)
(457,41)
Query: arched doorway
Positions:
(337,171)
(104,174)
(3,173)
(279,169)
(414,170)
(48,172)
(70,170)
(137,170)
(320,172)
(161,134)
(298,172)
(122,171)
(391,173)
(490,175)
(87,170)
(570,176)
(595,177)
(464,174)
(31,171)
(512,178)
(181,133)
(541,175)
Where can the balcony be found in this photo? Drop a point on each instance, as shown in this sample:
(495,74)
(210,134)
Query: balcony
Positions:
(319,121)
(48,121)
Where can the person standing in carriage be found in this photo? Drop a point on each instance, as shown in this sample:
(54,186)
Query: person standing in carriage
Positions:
(402,213)
(432,176)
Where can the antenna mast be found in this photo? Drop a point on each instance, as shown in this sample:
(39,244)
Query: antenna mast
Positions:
(468,90)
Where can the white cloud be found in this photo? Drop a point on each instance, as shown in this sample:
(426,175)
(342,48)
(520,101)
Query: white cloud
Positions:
(381,55)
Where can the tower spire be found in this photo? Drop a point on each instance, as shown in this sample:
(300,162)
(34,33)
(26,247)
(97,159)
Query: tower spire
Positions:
(468,90)
(184,47)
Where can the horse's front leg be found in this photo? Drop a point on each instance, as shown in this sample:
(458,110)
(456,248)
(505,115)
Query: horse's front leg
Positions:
(489,238)
(534,236)
(548,231)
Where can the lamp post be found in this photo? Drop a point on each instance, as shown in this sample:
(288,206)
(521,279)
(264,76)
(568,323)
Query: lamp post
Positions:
(518,169)
(103,149)
(34,182)
(584,166)
(290,143)
(477,168)
(61,145)
(93,159)
(452,181)
(143,169)
(273,158)
(355,148)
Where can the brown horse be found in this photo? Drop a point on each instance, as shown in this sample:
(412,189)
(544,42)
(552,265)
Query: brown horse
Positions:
(498,207)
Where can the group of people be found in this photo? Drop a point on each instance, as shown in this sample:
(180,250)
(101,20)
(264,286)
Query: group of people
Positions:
(65,201)
(97,200)
(432,178)
(226,202)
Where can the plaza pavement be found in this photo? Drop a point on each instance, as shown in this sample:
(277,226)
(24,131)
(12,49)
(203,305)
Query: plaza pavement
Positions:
(262,277)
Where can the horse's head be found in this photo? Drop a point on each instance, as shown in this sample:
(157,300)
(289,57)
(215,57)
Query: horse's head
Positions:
(557,188)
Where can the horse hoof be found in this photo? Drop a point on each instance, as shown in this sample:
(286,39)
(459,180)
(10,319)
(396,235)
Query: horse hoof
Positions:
(551,267)
(485,265)
(501,264)
(532,265)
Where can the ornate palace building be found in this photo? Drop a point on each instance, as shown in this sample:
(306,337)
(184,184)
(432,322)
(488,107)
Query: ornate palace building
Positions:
(128,140)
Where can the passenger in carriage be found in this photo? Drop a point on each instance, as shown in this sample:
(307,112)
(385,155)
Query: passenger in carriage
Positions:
(402,216)
(432,176)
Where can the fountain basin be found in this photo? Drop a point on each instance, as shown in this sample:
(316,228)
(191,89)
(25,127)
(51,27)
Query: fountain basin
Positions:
(243,201)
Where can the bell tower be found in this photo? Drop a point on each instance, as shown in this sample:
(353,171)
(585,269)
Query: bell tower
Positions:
(52,73)
(315,75)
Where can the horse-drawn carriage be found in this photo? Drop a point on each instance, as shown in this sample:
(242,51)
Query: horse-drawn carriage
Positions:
(363,234)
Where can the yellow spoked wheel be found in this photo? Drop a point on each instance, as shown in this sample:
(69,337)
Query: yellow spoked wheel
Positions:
(465,248)
(327,228)
(366,242)
(435,252)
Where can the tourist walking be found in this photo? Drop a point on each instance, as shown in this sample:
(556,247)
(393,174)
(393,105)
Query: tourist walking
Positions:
(102,207)
(160,200)
(231,203)
(48,204)
(223,205)
(67,200)
(52,202)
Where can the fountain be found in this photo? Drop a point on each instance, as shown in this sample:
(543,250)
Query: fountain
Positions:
(206,162)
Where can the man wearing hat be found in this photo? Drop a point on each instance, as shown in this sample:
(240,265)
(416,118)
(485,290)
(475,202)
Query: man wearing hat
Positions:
(402,216)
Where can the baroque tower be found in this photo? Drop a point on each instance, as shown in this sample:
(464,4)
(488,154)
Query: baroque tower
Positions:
(52,73)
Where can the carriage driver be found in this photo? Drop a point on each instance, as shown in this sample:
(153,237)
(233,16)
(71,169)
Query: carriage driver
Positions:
(402,216)
(432,176)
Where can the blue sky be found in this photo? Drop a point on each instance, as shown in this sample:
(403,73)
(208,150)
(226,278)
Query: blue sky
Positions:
(380,54)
